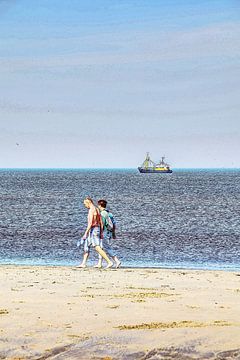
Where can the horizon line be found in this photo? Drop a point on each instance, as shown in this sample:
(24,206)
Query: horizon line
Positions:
(114,168)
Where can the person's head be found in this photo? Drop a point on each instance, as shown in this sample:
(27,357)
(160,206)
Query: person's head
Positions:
(88,202)
(102,204)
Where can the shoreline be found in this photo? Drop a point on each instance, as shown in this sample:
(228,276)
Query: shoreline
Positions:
(163,267)
(91,313)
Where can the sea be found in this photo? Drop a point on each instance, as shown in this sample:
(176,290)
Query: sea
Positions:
(189,219)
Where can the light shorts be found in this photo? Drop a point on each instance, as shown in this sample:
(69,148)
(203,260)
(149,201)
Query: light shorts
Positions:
(107,243)
(93,239)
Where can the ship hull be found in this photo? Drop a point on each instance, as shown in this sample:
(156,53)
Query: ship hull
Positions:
(152,171)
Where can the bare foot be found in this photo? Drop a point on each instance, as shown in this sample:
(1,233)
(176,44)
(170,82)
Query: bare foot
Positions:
(98,266)
(118,264)
(82,266)
(109,265)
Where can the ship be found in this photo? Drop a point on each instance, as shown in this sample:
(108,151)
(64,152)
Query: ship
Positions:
(149,166)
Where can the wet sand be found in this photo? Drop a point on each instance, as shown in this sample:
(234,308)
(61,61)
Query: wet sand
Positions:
(70,313)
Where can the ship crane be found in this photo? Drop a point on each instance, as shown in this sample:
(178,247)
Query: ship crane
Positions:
(148,163)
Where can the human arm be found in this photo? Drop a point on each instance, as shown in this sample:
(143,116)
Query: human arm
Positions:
(114,232)
(101,228)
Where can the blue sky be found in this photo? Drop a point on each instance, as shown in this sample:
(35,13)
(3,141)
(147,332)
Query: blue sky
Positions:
(97,84)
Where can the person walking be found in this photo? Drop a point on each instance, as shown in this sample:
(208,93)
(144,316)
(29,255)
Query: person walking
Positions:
(109,228)
(93,234)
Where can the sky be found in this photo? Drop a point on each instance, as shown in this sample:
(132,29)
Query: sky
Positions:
(97,84)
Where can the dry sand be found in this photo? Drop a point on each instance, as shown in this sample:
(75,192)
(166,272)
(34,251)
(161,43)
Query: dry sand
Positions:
(70,313)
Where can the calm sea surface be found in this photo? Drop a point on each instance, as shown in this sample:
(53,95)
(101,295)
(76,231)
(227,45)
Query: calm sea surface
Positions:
(190,218)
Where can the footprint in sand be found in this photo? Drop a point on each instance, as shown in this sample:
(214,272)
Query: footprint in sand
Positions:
(4,311)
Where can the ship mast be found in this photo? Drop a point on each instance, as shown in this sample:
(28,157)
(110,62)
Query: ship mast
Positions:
(162,160)
(163,163)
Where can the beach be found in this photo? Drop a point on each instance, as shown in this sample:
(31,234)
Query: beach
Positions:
(71,313)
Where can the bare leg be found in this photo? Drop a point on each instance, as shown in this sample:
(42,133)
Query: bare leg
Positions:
(84,260)
(99,264)
(104,255)
(115,258)
(117,261)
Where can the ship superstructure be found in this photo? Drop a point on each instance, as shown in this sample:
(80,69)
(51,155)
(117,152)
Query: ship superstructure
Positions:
(149,166)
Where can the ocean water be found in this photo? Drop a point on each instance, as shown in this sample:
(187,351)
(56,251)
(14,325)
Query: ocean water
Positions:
(188,219)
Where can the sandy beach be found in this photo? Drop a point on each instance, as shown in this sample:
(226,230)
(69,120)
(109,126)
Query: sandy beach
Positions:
(70,313)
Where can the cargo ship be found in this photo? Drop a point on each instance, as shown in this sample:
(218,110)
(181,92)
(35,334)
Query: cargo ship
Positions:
(148,166)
